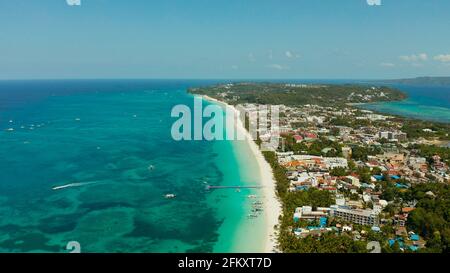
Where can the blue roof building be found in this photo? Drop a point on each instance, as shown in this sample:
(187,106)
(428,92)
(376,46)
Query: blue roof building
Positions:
(414,248)
(378,177)
(302,188)
(401,186)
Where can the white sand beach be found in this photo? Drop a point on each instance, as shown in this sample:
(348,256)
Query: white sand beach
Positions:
(272,205)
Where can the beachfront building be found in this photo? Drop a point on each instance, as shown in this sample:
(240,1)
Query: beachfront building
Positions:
(357,216)
(312,162)
(307,213)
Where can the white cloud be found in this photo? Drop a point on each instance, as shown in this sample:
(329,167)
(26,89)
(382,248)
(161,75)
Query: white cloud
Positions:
(291,55)
(423,57)
(387,64)
(414,57)
(278,66)
(445,58)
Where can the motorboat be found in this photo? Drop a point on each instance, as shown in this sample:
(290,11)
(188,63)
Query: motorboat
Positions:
(170,196)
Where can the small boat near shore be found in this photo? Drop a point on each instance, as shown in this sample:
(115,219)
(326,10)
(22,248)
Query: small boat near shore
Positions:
(257,210)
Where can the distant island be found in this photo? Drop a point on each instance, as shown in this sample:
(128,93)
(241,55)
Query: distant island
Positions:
(299,94)
(429,81)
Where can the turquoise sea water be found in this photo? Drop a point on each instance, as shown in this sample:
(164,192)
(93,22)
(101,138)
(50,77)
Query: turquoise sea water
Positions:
(423,102)
(107,134)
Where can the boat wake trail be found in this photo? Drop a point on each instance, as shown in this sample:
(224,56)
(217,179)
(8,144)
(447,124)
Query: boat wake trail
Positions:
(72,185)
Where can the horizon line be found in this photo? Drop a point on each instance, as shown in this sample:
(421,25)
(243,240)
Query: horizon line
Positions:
(215,79)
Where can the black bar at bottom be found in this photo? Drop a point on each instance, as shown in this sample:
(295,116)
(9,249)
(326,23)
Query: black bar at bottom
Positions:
(223,262)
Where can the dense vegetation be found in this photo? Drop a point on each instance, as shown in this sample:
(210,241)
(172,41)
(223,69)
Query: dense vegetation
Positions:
(418,128)
(430,219)
(432,215)
(290,95)
(320,147)
(327,243)
(428,151)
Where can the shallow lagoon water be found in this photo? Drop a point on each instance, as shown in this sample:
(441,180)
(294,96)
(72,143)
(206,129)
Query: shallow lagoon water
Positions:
(423,102)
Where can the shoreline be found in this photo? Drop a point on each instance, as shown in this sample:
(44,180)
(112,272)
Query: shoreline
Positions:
(272,205)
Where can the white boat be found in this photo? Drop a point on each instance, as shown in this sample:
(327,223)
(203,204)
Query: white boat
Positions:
(170,196)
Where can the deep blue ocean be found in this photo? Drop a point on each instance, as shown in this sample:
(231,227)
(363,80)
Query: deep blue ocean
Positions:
(114,138)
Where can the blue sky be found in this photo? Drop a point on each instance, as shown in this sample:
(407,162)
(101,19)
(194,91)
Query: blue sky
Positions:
(224,39)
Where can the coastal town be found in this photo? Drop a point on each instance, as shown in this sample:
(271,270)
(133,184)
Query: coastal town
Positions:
(355,178)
